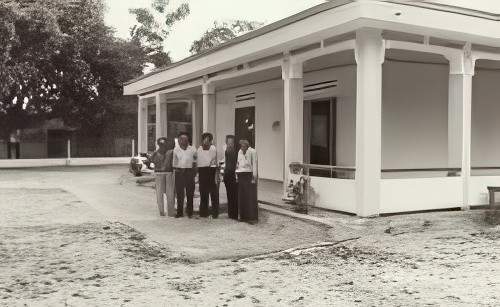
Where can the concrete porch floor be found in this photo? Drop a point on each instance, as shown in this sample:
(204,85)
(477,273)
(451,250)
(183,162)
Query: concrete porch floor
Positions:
(270,191)
(270,195)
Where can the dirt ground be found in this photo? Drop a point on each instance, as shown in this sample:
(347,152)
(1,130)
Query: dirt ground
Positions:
(89,237)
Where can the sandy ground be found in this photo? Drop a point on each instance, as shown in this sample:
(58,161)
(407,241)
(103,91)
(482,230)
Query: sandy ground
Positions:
(88,237)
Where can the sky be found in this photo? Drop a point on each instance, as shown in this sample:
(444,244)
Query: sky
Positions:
(203,14)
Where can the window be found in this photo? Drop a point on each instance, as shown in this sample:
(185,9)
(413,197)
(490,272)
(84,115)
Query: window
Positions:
(179,119)
(151,127)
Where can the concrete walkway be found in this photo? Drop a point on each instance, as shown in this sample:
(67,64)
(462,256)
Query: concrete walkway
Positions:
(112,196)
(30,163)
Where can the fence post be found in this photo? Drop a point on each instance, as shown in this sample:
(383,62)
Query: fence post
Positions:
(68,159)
(133,147)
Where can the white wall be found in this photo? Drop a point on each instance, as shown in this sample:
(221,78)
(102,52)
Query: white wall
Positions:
(268,109)
(414,115)
(415,194)
(478,189)
(414,118)
(485,149)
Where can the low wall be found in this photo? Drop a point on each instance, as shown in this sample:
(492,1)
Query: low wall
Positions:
(418,194)
(478,189)
(333,193)
(26,163)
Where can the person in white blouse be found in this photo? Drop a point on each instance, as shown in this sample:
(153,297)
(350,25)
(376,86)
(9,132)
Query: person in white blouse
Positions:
(184,163)
(246,171)
(207,172)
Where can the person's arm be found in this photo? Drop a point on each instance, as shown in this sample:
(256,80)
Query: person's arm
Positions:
(175,160)
(195,158)
(237,164)
(213,156)
(153,157)
(224,155)
(254,166)
(216,165)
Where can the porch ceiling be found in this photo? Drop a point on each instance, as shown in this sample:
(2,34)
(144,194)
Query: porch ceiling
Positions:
(252,78)
(330,60)
(414,56)
(488,64)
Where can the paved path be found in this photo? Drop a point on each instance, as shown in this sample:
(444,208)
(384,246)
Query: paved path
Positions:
(110,192)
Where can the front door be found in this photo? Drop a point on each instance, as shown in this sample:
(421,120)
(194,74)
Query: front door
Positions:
(321,138)
(244,125)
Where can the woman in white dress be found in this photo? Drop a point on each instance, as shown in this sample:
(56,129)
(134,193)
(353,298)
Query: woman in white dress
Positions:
(246,171)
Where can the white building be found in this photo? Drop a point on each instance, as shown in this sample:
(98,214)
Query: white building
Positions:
(393,105)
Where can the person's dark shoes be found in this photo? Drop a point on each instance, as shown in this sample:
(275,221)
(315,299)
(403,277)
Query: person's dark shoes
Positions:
(179,215)
(215,216)
(190,216)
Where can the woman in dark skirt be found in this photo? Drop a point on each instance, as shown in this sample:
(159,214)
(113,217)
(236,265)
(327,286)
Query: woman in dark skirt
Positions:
(246,171)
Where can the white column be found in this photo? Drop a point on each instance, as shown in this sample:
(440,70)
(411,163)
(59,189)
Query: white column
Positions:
(158,123)
(164,118)
(161,116)
(455,118)
(293,107)
(208,108)
(459,118)
(370,52)
(195,110)
(141,126)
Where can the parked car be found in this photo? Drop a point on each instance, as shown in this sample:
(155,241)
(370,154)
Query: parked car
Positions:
(141,164)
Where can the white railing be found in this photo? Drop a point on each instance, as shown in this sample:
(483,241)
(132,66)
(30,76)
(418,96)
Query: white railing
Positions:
(328,171)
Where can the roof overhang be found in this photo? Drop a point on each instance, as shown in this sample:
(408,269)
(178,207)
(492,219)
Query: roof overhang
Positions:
(321,22)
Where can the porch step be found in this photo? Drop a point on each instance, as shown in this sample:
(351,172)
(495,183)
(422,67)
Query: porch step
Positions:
(303,217)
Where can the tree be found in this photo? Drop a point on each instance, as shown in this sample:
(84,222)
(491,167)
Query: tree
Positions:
(221,33)
(59,59)
(153,28)
(98,61)
(29,38)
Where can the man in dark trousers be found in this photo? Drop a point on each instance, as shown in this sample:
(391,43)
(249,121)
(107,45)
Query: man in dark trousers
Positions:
(207,172)
(230,160)
(184,162)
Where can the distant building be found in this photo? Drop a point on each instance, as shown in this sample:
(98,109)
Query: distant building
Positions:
(392,105)
(49,138)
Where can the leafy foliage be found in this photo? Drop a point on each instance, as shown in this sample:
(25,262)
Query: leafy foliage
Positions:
(59,59)
(221,33)
(154,26)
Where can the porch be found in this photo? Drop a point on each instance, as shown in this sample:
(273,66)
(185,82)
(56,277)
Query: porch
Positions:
(386,121)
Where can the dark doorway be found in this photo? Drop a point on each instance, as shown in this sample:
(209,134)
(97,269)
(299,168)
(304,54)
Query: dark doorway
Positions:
(57,142)
(179,119)
(322,132)
(244,125)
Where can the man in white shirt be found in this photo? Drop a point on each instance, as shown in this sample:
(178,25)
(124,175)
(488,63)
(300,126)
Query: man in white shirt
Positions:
(184,163)
(207,172)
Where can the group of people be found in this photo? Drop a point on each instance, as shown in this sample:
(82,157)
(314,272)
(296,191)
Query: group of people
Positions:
(176,167)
